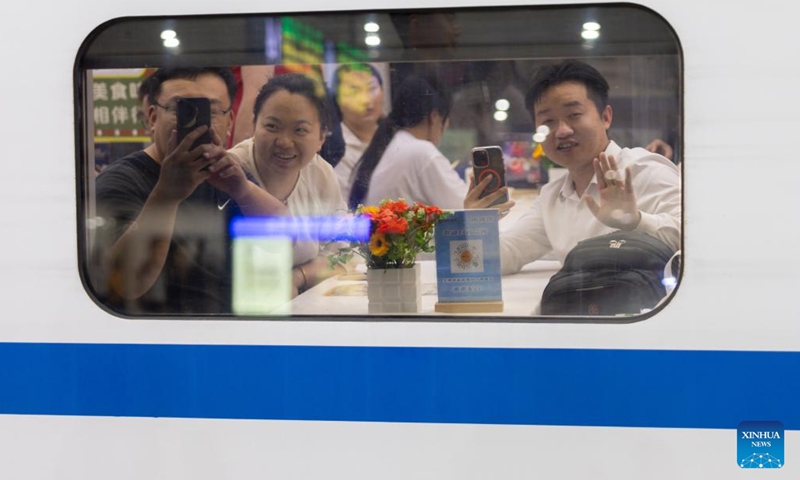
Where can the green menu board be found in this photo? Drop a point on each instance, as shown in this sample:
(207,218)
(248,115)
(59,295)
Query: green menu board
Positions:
(116,107)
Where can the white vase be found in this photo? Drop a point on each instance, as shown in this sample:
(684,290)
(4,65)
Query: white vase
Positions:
(394,290)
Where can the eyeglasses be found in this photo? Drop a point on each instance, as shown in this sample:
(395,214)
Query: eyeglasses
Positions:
(217,114)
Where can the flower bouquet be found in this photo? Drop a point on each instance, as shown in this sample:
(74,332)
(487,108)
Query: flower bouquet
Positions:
(398,232)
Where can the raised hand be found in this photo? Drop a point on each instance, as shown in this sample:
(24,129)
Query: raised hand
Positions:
(184,168)
(617,207)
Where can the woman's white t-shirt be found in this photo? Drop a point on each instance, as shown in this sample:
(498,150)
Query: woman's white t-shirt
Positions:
(416,171)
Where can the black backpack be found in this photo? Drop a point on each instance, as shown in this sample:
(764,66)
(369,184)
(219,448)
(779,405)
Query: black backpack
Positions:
(618,273)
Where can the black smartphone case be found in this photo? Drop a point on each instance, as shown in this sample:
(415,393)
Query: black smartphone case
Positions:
(192,113)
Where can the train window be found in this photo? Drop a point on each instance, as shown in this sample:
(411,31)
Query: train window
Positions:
(295,165)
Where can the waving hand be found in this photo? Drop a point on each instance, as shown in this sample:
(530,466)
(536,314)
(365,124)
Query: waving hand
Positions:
(617,207)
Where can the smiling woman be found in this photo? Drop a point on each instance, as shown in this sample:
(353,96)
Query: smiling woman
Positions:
(291,120)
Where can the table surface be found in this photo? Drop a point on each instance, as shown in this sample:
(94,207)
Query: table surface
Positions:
(343,296)
(522,292)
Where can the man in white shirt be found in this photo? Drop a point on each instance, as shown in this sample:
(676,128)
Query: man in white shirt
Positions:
(607,187)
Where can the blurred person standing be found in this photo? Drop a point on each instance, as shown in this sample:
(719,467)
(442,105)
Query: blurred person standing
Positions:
(403,160)
(358,100)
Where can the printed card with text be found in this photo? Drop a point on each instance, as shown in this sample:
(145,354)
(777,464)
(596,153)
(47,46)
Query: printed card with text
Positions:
(468,257)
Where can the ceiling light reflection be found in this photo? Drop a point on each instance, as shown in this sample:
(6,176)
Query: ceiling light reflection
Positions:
(590,34)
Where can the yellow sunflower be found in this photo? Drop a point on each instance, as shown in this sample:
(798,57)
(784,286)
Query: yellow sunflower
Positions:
(378,245)
(371,210)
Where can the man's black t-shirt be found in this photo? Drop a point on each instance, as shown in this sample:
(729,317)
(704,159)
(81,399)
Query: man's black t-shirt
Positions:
(196,278)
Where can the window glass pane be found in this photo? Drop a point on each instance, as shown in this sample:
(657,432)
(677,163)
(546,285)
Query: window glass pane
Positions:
(363,107)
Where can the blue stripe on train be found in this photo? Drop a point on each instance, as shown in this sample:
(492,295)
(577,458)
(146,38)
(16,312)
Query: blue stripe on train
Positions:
(639,388)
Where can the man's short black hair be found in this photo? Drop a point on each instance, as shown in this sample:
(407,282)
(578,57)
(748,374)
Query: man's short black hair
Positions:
(190,73)
(568,71)
(145,88)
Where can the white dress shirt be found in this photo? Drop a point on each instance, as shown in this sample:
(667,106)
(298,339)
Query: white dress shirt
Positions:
(559,218)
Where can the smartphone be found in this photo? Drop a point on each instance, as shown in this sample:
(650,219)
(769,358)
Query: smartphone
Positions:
(192,113)
(488,161)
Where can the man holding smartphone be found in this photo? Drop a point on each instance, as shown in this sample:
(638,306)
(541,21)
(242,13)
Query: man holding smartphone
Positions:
(607,187)
(165,209)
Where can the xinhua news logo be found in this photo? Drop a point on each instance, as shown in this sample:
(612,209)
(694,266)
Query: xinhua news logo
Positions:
(760,445)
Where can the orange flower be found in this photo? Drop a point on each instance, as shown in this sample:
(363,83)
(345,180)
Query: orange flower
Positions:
(399,207)
(433,210)
(392,224)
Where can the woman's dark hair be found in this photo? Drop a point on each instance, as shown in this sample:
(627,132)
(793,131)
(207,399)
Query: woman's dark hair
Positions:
(298,84)
(412,103)
(568,71)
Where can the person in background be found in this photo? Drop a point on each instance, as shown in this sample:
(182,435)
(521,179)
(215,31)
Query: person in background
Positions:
(291,120)
(427,36)
(606,187)
(358,100)
(163,243)
(402,160)
(660,147)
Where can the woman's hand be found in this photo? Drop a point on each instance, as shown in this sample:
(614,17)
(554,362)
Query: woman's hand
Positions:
(225,173)
(228,176)
(299,281)
(313,272)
